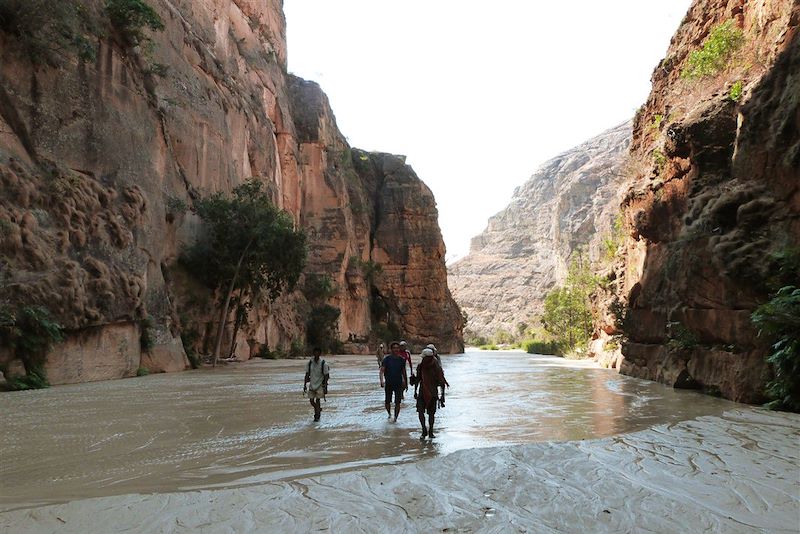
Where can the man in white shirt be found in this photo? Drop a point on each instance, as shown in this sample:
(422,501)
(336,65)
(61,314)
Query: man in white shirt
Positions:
(316,381)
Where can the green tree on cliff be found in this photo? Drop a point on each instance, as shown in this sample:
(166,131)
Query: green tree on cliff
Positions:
(247,246)
(31,331)
(567,313)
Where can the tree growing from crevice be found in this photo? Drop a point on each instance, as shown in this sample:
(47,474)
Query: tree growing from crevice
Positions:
(50,30)
(247,247)
(132,18)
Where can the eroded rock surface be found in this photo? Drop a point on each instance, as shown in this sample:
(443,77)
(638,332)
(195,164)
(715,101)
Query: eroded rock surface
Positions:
(570,203)
(101,160)
(715,197)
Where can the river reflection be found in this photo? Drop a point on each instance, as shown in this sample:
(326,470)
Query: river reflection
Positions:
(249,423)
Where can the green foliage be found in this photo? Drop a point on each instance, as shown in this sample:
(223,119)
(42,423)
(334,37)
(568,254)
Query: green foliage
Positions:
(491,346)
(658,118)
(620,312)
(386,331)
(614,239)
(784,269)
(779,319)
(474,340)
(567,313)
(502,337)
(660,160)
(175,205)
(735,93)
(132,17)
(146,338)
(680,337)
(188,339)
(715,53)
(322,328)
(35,379)
(5,227)
(31,331)
(142,371)
(247,246)
(49,29)
(612,344)
(318,288)
(265,354)
(534,346)
(248,231)
(159,69)
(297,349)
(369,269)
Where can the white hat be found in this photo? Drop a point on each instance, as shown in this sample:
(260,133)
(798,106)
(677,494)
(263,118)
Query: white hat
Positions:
(403,342)
(427,352)
(431,346)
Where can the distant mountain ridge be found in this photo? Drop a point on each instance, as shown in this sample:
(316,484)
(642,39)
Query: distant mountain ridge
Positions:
(570,202)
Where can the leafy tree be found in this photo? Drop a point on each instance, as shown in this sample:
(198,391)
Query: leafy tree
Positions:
(48,29)
(567,312)
(780,320)
(322,329)
(248,246)
(31,331)
(131,17)
(318,288)
(715,53)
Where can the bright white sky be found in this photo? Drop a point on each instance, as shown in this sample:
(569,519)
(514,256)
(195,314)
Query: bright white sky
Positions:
(478,94)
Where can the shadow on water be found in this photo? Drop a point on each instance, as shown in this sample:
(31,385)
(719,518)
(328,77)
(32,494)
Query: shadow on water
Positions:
(250,424)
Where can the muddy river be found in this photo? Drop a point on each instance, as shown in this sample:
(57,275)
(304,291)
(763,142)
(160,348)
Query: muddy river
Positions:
(248,423)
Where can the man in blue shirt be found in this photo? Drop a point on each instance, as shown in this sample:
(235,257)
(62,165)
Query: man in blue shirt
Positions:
(394,379)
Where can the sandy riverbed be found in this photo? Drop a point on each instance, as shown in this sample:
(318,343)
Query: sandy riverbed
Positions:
(735,473)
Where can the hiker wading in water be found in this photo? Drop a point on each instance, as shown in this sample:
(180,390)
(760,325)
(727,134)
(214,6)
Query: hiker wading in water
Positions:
(394,379)
(316,382)
(429,378)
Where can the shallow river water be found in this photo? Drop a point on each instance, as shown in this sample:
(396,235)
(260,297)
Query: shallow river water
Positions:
(249,423)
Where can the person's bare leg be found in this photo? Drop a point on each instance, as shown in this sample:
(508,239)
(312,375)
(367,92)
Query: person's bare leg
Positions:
(430,424)
(396,410)
(422,422)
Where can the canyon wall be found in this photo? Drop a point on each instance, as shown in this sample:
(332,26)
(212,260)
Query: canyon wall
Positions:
(713,204)
(103,152)
(570,204)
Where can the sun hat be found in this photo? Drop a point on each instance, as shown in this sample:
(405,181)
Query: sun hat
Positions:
(427,352)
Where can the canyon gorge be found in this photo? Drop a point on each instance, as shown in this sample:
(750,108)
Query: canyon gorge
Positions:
(568,204)
(108,137)
(706,200)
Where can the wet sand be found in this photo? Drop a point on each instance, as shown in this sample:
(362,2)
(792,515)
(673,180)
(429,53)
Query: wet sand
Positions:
(244,436)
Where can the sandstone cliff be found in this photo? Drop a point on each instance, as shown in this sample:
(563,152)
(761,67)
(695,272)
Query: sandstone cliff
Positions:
(102,153)
(715,197)
(570,203)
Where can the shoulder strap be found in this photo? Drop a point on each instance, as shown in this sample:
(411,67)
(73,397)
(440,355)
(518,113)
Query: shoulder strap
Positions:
(309,365)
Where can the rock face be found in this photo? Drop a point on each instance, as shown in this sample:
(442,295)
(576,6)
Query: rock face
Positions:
(101,154)
(715,197)
(410,292)
(570,203)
